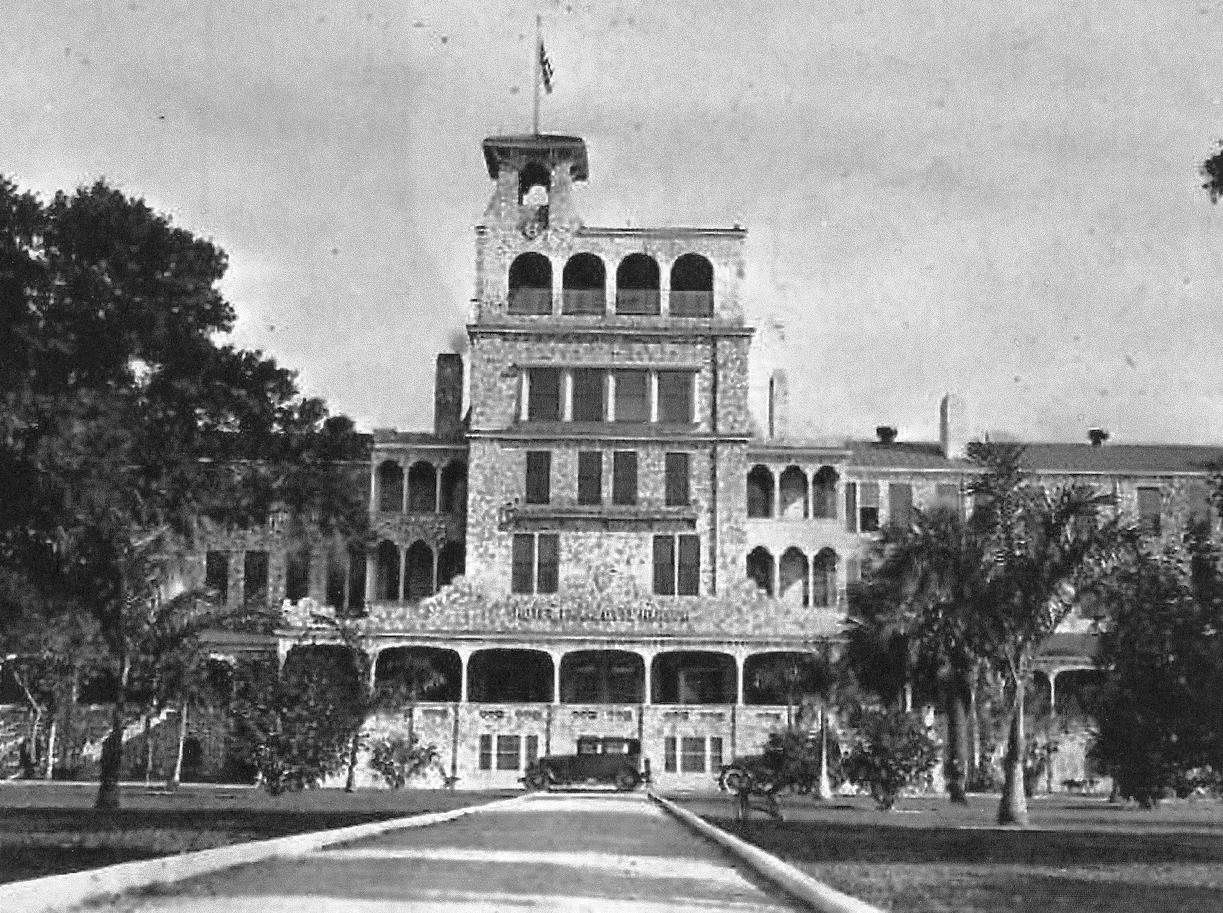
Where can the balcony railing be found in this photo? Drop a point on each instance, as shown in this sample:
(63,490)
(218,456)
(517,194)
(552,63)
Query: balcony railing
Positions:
(638,301)
(691,304)
(584,301)
(531,301)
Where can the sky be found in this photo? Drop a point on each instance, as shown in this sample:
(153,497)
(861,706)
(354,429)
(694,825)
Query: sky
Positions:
(999,200)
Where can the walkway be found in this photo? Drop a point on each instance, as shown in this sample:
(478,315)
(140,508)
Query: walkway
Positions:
(551,852)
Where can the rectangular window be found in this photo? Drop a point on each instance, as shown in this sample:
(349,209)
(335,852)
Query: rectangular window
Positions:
(868,507)
(337,576)
(624,477)
(851,506)
(216,574)
(297,575)
(692,755)
(947,497)
(1150,507)
(588,388)
(632,396)
(676,482)
(539,477)
(356,579)
(544,395)
(590,477)
(675,397)
(255,576)
(677,565)
(689,578)
(532,749)
(715,753)
(486,752)
(548,552)
(900,503)
(664,566)
(507,752)
(523,580)
(668,754)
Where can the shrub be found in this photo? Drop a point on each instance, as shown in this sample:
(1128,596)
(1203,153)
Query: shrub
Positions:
(890,750)
(397,759)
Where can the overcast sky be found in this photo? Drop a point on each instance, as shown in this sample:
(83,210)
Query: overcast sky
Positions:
(998,199)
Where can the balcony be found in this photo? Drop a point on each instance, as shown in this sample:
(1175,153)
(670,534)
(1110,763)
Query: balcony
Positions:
(641,302)
(584,301)
(691,304)
(531,301)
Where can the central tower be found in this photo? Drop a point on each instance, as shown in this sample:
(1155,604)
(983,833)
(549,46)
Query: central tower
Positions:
(609,392)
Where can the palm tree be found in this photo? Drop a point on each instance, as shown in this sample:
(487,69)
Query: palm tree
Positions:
(919,604)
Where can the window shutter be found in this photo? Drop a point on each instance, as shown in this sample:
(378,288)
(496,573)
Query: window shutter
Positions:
(677,475)
(664,566)
(590,477)
(549,563)
(624,477)
(539,477)
(523,580)
(689,565)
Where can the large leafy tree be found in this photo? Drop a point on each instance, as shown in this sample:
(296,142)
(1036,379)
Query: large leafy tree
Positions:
(128,423)
(1159,715)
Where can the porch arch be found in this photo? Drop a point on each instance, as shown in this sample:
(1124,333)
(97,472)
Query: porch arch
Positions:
(509,676)
(602,677)
(694,677)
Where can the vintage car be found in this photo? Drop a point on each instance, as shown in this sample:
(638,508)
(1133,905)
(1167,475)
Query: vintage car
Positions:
(599,760)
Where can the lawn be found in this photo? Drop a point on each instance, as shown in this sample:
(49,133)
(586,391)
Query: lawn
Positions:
(46,829)
(1080,854)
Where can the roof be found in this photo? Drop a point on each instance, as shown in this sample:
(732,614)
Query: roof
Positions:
(1146,459)
(902,455)
(538,145)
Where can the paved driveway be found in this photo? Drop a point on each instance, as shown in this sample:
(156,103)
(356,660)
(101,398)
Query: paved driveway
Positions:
(550,852)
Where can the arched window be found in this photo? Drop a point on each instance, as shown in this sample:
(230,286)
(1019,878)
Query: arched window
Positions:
(386,583)
(419,571)
(824,494)
(535,174)
(451,559)
(760,492)
(422,488)
(824,579)
(760,568)
(793,587)
(637,284)
(454,488)
(792,491)
(584,281)
(390,487)
(692,287)
(531,284)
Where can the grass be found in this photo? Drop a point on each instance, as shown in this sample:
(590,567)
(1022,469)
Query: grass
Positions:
(1080,854)
(53,828)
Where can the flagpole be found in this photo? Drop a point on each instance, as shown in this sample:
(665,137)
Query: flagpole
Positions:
(536,57)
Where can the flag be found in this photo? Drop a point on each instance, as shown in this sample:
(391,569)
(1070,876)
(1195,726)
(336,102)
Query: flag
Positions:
(545,68)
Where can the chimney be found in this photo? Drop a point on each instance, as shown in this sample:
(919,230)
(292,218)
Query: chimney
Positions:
(951,426)
(779,404)
(448,396)
(1097,436)
(886,434)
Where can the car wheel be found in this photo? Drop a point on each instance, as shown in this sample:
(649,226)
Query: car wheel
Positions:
(626,780)
(537,779)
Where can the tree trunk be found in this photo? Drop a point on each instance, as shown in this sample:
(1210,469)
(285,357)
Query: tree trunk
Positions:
(1013,808)
(958,699)
(350,782)
(176,778)
(823,788)
(974,722)
(112,747)
(50,772)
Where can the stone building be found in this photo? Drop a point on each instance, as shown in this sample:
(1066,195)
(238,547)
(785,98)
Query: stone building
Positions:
(602,544)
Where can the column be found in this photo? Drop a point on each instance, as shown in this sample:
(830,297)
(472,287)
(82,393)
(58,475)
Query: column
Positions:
(373,669)
(1052,676)
(403,494)
(437,488)
(611,287)
(433,582)
(647,662)
(403,573)
(653,393)
(524,393)
(567,395)
(556,676)
(371,569)
(611,396)
(739,661)
(558,286)
(373,485)
(464,657)
(664,290)
(776,492)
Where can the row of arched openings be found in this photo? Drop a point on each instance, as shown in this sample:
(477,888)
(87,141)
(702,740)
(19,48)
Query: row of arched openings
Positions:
(416,572)
(427,491)
(792,496)
(795,578)
(638,285)
(503,676)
